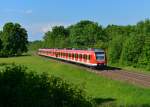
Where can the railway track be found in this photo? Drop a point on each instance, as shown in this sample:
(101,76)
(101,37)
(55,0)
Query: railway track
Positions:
(131,77)
(136,78)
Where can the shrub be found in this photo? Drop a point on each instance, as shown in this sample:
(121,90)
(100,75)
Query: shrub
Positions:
(19,88)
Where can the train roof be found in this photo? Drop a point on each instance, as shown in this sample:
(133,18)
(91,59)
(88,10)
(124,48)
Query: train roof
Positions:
(74,49)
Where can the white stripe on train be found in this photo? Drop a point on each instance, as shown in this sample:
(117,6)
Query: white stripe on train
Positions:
(88,64)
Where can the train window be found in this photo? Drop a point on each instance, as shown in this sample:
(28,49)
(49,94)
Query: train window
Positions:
(80,56)
(89,57)
(85,56)
(100,55)
(69,54)
(75,55)
(72,55)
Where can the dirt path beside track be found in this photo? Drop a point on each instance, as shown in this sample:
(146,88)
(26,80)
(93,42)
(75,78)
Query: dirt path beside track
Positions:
(135,78)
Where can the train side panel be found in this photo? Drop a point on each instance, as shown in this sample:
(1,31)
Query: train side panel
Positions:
(83,57)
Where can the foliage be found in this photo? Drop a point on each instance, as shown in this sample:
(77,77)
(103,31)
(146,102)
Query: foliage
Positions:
(85,34)
(115,49)
(20,88)
(132,49)
(14,39)
(81,35)
(144,59)
(129,45)
(35,45)
(57,38)
(0,44)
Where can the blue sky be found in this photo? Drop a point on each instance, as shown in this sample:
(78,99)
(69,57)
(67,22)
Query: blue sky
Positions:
(38,16)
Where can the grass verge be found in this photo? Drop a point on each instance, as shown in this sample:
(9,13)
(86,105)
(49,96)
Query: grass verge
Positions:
(99,88)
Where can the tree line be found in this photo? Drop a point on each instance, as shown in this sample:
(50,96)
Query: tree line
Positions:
(81,35)
(13,40)
(130,45)
(125,45)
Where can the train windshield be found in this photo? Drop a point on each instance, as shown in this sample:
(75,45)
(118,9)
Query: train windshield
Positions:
(100,55)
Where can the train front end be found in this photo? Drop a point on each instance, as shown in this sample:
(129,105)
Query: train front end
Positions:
(100,57)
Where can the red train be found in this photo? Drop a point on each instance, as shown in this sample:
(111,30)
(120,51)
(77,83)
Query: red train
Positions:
(90,57)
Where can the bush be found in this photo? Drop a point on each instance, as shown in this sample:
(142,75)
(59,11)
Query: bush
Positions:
(19,88)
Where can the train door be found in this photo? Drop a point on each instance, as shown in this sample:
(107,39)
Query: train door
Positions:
(80,57)
(72,56)
(88,58)
(76,56)
(85,58)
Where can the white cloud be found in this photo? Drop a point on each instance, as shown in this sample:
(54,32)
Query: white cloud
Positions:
(48,27)
(28,11)
(36,28)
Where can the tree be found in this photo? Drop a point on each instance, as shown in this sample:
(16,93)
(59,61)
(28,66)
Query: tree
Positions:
(57,38)
(143,28)
(0,44)
(115,49)
(144,59)
(86,34)
(132,49)
(14,39)
(0,41)
(35,45)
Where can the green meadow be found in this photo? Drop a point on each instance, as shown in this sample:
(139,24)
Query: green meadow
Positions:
(96,87)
